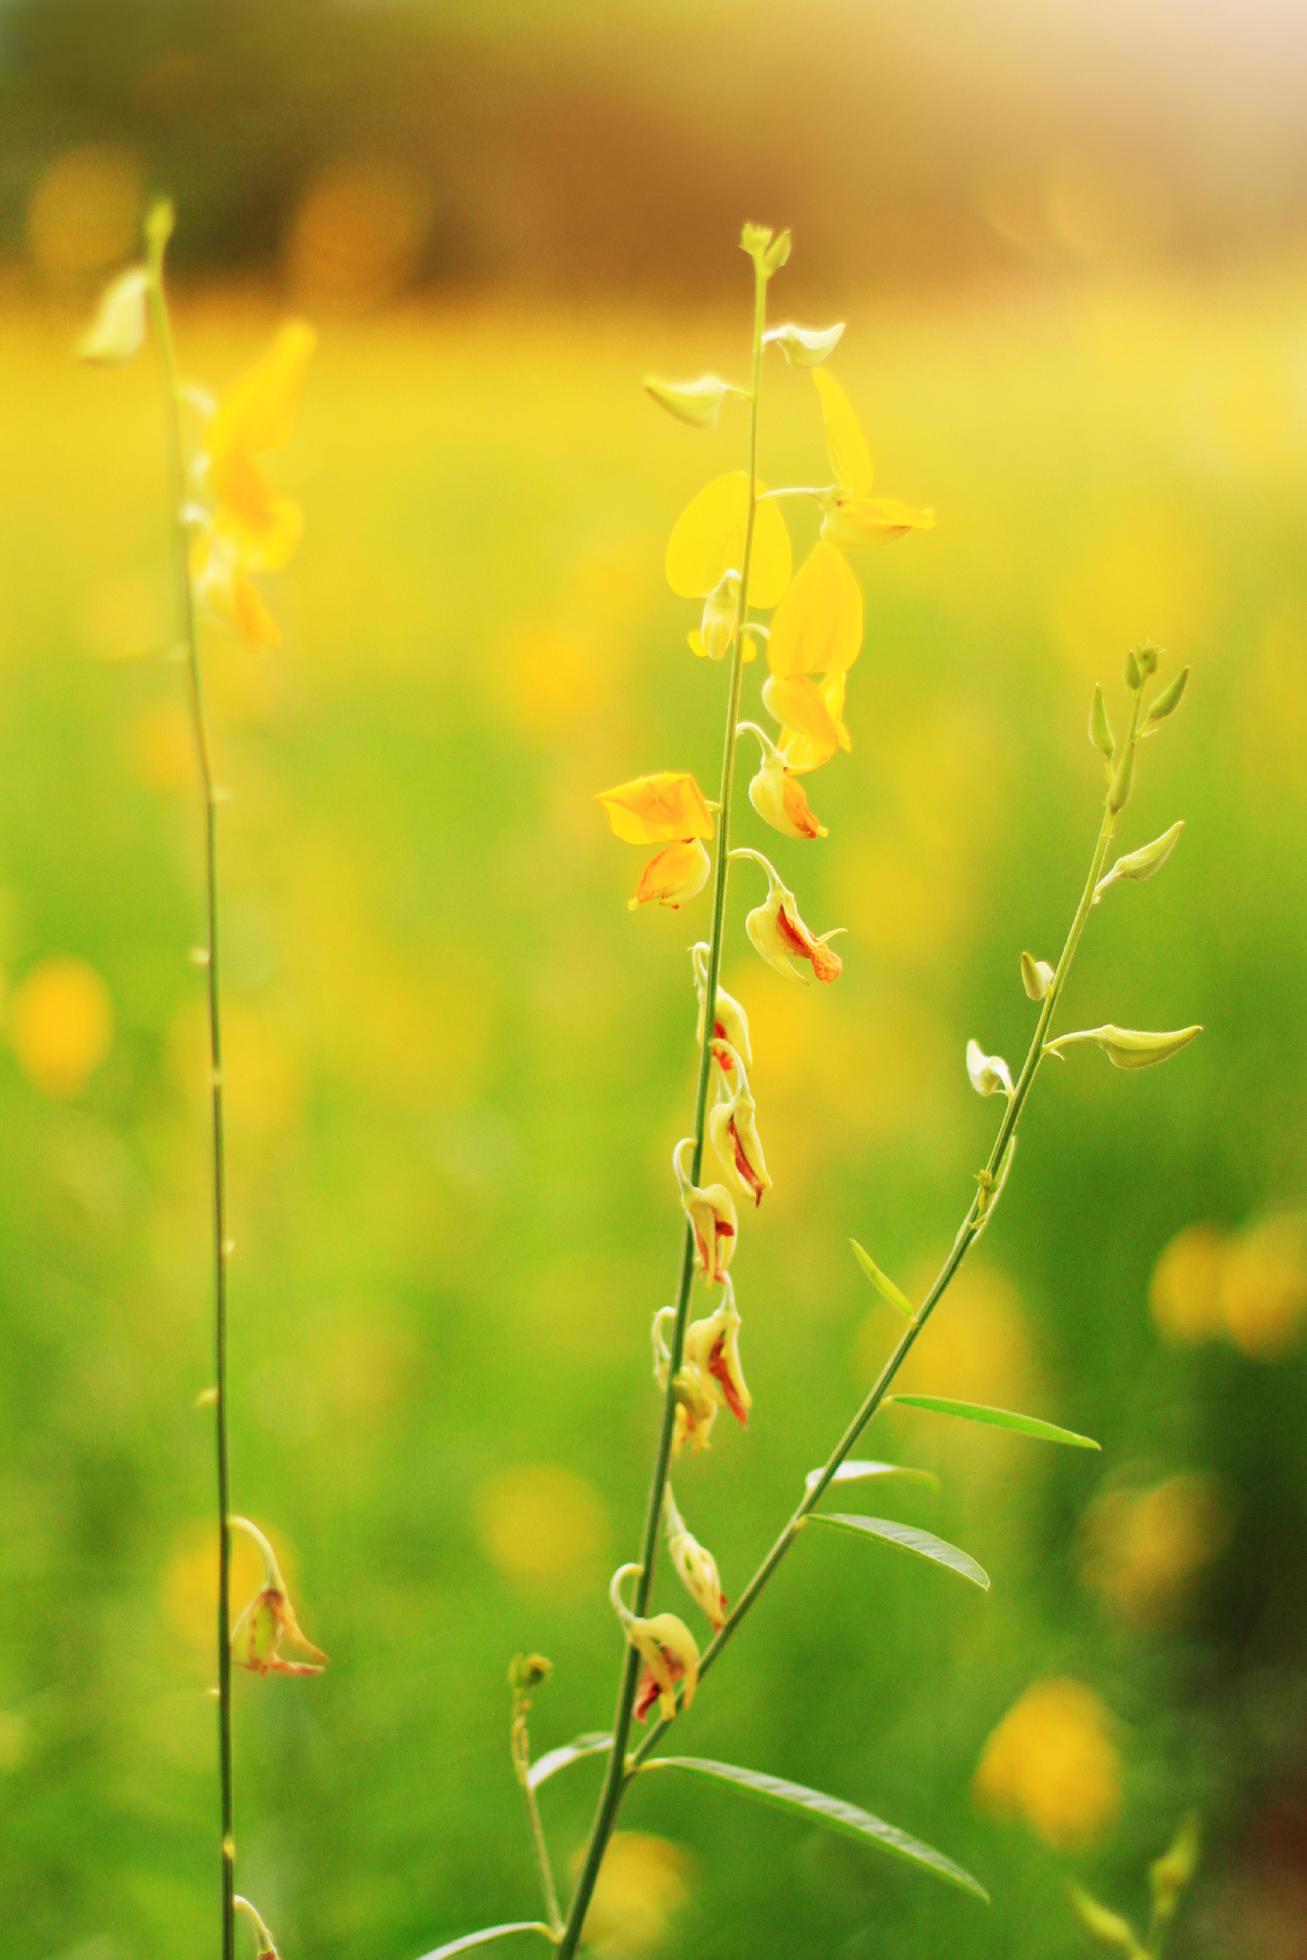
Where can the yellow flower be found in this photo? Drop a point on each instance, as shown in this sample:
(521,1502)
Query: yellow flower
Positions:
(707,542)
(1053,1761)
(853,515)
(657,809)
(733,1129)
(712,1348)
(695,1566)
(730,1022)
(61,1024)
(779,935)
(776,793)
(678,873)
(255,417)
(665,1645)
(1143,1549)
(229,594)
(643,1882)
(815,638)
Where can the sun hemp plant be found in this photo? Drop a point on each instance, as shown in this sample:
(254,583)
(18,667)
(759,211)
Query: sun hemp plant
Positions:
(229,524)
(730,550)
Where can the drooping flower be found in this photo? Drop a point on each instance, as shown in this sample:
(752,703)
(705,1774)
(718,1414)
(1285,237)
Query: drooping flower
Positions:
(665,1645)
(777,794)
(779,935)
(269,1619)
(695,1566)
(697,1401)
(733,1130)
(707,542)
(989,1074)
(712,1345)
(710,1209)
(853,516)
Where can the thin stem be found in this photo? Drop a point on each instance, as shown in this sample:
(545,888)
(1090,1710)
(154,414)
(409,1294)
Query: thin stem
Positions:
(162,326)
(968,1232)
(521,1747)
(615,1780)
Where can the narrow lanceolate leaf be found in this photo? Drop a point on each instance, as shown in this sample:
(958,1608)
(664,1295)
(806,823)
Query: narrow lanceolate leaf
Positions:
(562,1758)
(815,1807)
(487,1936)
(922,1544)
(697,402)
(882,1282)
(860,1470)
(805,346)
(1043,1432)
(1129,1047)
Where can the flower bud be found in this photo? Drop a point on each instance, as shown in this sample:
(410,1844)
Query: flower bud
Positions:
(1170,698)
(695,1567)
(1100,728)
(805,347)
(990,1074)
(1037,976)
(716,634)
(730,1022)
(697,402)
(1141,664)
(696,1401)
(266,1945)
(117,332)
(1103,1926)
(1128,1047)
(1144,862)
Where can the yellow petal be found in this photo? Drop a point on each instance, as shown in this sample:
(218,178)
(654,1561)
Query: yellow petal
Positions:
(873,520)
(850,458)
(818,624)
(258,411)
(674,875)
(662,808)
(707,541)
(262,527)
(811,715)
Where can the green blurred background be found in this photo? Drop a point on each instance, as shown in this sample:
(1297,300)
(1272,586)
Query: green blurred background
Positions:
(1072,250)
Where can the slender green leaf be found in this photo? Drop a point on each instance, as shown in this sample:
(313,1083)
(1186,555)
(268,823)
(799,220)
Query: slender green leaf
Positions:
(562,1758)
(1043,1432)
(860,1470)
(486,1937)
(882,1282)
(922,1544)
(816,1808)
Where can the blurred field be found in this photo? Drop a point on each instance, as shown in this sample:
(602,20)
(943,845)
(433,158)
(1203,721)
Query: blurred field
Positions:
(457,1069)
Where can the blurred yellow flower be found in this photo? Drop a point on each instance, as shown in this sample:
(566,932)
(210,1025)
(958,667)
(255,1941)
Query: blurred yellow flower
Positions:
(1184,1295)
(1142,1549)
(1250,1286)
(707,541)
(255,417)
(643,1882)
(853,515)
(815,638)
(61,1024)
(1052,1760)
(541,1524)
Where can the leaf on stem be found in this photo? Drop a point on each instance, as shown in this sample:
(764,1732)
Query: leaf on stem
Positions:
(1043,1432)
(488,1934)
(1170,698)
(815,1807)
(907,1538)
(862,1470)
(562,1758)
(883,1284)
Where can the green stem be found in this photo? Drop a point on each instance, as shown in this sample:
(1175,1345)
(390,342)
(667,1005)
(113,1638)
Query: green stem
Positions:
(610,1798)
(968,1232)
(162,325)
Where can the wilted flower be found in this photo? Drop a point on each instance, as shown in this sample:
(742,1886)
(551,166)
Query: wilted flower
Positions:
(269,1619)
(733,1129)
(697,1401)
(712,1346)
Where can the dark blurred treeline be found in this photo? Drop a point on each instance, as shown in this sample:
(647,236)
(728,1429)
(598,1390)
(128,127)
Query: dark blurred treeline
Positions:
(565,145)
